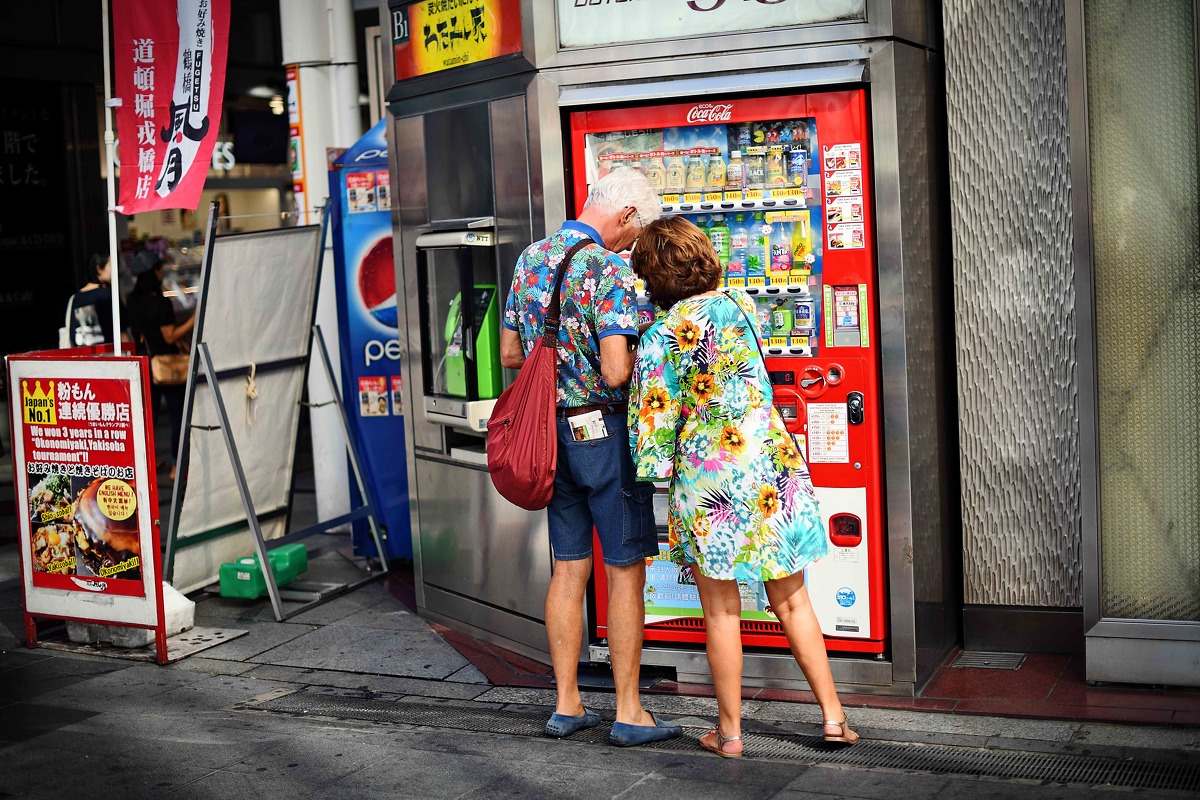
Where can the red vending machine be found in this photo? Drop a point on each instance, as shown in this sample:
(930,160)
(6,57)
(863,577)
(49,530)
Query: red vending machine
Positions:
(781,187)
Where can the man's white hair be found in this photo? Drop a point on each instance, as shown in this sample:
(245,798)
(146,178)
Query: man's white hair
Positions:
(623,188)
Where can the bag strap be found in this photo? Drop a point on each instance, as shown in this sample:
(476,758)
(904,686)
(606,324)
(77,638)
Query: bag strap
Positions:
(70,308)
(554,312)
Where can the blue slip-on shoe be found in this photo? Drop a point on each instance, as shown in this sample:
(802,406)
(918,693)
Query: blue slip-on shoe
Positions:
(561,725)
(625,735)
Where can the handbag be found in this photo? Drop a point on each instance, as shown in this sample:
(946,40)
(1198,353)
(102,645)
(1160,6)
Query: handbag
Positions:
(522,446)
(169,370)
(64,333)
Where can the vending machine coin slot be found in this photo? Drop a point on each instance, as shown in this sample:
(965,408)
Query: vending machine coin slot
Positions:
(854,408)
(845,530)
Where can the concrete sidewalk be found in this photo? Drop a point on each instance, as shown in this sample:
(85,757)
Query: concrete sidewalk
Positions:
(361,698)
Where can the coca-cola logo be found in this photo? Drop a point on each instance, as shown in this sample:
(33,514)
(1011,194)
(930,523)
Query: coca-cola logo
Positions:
(710,112)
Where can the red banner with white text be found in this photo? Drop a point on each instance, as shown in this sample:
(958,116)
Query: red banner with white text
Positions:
(169,59)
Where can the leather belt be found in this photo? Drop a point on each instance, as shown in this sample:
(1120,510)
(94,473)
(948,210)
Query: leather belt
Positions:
(605,408)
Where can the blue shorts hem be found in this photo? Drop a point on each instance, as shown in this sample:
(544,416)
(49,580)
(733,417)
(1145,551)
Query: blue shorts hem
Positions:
(573,557)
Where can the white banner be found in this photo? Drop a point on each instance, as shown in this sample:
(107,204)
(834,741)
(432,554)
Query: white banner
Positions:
(584,23)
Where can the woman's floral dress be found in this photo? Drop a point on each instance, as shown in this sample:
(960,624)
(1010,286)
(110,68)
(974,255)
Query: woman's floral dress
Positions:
(701,414)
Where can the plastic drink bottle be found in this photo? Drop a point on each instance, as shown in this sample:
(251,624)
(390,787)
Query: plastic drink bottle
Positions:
(676,177)
(715,180)
(802,258)
(781,248)
(758,253)
(739,239)
(735,173)
(743,136)
(775,167)
(781,316)
(756,171)
(762,310)
(695,174)
(657,173)
(718,234)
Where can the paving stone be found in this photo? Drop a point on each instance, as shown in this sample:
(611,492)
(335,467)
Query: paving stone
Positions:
(382,652)
(374,683)
(20,722)
(341,607)
(221,784)
(388,614)
(656,787)
(869,783)
(547,781)
(1154,737)
(211,666)
(421,774)
(469,674)
(132,687)
(261,638)
(964,788)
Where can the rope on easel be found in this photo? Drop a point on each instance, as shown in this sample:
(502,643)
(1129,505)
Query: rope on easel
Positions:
(251,398)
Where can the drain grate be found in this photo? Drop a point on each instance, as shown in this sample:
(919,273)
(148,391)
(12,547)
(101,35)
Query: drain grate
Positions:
(980,659)
(939,759)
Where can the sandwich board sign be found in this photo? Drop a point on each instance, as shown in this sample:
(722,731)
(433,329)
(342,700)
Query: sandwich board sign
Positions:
(87,503)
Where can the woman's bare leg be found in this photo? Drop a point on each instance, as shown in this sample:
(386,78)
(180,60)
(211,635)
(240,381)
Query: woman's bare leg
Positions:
(790,602)
(723,641)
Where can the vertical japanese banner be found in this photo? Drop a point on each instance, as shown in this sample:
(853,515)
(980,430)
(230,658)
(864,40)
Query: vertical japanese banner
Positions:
(296,145)
(169,60)
(87,503)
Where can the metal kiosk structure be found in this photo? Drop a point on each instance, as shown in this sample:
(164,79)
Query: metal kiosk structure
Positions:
(501,136)
(214,524)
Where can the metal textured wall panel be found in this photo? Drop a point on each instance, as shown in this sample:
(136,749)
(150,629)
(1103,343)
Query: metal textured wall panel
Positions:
(1006,83)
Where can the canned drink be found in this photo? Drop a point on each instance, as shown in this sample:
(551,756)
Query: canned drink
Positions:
(797,166)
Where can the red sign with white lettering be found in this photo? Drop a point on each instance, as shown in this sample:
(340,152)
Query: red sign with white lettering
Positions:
(169,61)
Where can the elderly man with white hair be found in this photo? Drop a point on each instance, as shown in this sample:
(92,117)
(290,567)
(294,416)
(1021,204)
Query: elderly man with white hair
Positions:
(595,485)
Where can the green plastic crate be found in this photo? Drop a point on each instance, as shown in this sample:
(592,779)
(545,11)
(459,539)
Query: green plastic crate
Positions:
(244,579)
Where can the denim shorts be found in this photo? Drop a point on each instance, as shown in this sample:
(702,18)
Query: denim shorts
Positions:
(595,486)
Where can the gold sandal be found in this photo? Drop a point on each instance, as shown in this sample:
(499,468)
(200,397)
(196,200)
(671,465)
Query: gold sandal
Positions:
(721,742)
(844,736)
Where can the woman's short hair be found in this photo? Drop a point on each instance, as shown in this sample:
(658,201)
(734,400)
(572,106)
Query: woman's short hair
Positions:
(676,260)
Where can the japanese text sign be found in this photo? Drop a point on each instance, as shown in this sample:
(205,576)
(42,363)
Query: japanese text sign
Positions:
(86,503)
(433,35)
(585,23)
(169,59)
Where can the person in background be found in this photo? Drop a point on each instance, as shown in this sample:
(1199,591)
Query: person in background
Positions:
(594,485)
(153,321)
(741,505)
(90,321)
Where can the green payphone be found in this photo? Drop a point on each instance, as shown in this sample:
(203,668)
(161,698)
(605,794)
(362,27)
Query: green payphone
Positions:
(459,303)
(487,344)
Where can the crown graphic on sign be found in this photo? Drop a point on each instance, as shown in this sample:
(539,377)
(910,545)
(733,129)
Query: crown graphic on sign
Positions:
(38,407)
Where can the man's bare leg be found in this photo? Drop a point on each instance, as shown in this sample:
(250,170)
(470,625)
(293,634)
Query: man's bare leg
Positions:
(626,616)
(564,624)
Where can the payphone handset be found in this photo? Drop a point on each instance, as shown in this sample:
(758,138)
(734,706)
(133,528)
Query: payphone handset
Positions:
(484,350)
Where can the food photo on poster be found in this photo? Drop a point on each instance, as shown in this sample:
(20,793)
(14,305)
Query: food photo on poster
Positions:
(83,511)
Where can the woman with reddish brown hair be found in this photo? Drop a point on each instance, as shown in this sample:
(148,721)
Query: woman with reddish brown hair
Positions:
(741,505)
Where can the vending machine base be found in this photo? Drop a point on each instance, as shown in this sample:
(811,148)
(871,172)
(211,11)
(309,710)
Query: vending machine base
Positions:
(777,670)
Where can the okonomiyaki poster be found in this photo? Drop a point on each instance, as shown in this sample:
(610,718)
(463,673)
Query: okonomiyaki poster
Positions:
(82,519)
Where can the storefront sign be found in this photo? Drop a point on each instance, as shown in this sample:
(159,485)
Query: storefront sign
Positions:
(433,35)
(169,58)
(585,23)
(84,477)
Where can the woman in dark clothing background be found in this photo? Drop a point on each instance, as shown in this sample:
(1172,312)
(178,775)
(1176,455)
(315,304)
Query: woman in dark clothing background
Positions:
(91,307)
(153,319)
